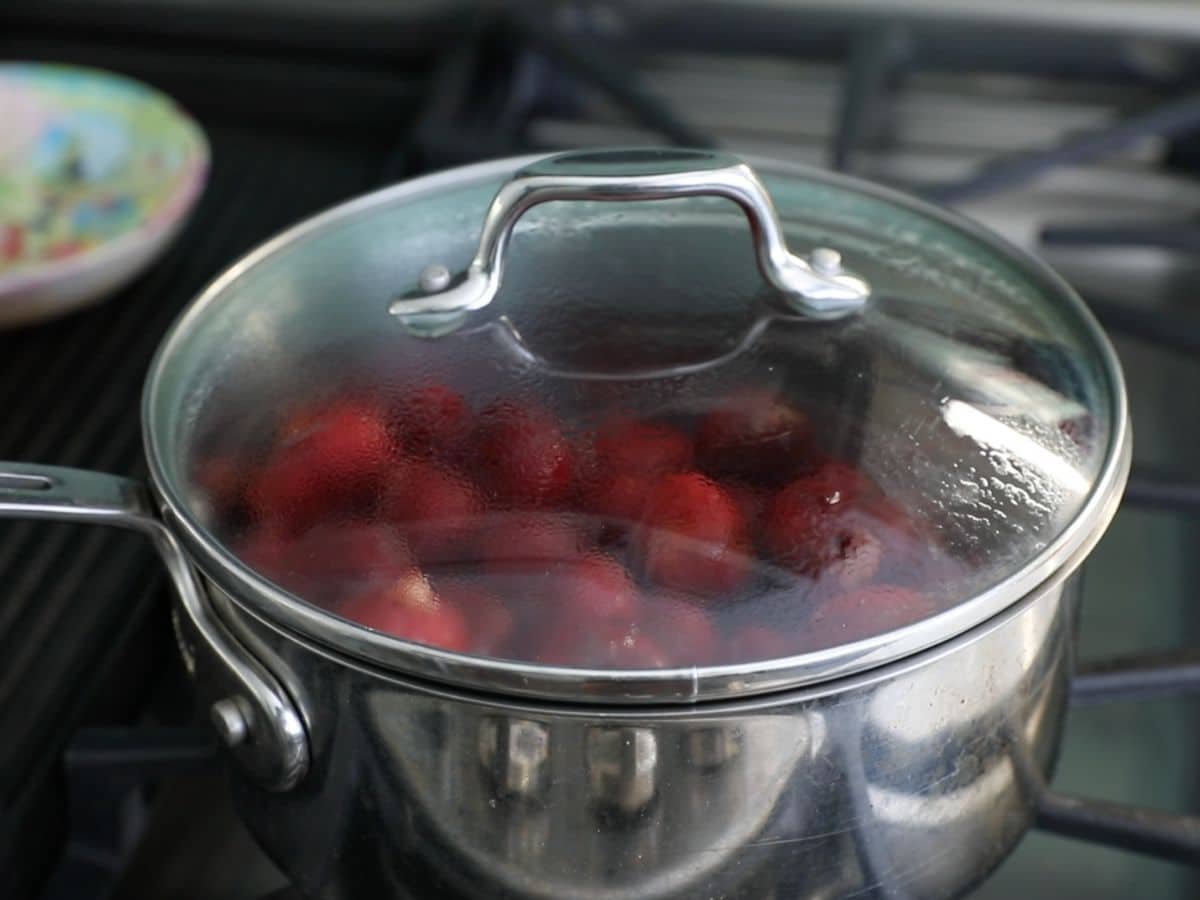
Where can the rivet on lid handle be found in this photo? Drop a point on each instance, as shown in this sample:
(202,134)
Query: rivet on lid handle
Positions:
(819,287)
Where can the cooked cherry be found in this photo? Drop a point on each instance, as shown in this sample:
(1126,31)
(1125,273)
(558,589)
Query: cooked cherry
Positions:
(490,622)
(334,558)
(754,642)
(506,540)
(630,445)
(867,611)
(264,549)
(694,537)
(431,420)
(682,629)
(595,587)
(608,644)
(408,608)
(754,435)
(436,507)
(617,500)
(333,466)
(521,455)
(222,479)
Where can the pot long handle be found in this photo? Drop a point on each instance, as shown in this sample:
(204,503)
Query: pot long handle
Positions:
(817,287)
(252,713)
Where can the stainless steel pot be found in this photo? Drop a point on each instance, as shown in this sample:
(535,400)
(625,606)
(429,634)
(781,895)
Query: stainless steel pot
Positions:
(904,764)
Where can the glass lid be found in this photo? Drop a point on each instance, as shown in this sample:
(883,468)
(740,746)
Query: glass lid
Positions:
(636,425)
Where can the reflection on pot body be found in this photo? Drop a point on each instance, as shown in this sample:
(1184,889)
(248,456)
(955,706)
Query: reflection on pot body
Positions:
(514,753)
(622,768)
(921,776)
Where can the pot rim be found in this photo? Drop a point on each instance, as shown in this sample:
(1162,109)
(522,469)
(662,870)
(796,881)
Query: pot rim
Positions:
(619,686)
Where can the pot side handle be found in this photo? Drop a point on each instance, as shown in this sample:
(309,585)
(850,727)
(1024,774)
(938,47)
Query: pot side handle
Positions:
(256,718)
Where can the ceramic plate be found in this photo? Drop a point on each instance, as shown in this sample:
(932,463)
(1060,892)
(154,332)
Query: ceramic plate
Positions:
(97,174)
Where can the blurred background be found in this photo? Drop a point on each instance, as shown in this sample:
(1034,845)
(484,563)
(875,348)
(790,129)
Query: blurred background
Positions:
(1071,127)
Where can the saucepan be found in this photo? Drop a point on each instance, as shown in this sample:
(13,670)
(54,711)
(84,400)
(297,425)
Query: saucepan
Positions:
(756,577)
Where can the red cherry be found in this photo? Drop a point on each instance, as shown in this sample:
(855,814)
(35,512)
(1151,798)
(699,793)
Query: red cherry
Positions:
(602,645)
(332,466)
(617,499)
(436,507)
(222,480)
(754,435)
(336,557)
(264,549)
(682,629)
(521,455)
(754,642)
(694,537)
(636,650)
(704,570)
(408,608)
(691,505)
(490,622)
(815,526)
(523,539)
(867,611)
(433,419)
(751,501)
(595,587)
(629,445)
(838,483)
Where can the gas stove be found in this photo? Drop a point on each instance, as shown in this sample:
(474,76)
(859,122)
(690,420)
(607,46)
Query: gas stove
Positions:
(1070,128)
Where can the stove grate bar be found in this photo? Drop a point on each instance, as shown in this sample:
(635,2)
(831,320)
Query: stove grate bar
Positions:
(1181,236)
(1171,119)
(1141,677)
(1149,832)
(1158,490)
(588,61)
(1166,329)
(872,67)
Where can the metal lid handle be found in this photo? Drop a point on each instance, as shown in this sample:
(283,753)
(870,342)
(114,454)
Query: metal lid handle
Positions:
(816,287)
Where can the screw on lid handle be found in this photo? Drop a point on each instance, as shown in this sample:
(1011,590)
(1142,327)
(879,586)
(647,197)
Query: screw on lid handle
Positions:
(819,288)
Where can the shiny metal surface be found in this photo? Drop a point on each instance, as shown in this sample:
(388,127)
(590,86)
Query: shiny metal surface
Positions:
(911,781)
(821,291)
(272,743)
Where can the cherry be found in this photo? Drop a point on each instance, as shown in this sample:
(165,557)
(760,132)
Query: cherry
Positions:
(682,629)
(408,608)
(694,538)
(436,507)
(491,623)
(754,435)
(334,558)
(617,500)
(815,526)
(867,611)
(521,455)
(222,479)
(605,645)
(431,420)
(755,642)
(629,445)
(595,587)
(333,465)
(520,539)
(264,549)
(750,500)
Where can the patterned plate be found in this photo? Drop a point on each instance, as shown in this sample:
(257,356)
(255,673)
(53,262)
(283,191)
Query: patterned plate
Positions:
(97,174)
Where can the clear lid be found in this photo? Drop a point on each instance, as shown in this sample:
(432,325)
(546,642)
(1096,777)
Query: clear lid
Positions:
(576,414)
